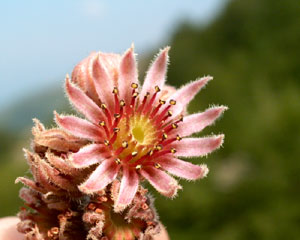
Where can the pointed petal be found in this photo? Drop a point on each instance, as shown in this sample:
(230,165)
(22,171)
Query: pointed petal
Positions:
(103,82)
(62,164)
(193,147)
(82,76)
(58,139)
(161,181)
(79,127)
(128,75)
(88,155)
(199,121)
(104,174)
(183,169)
(156,75)
(54,176)
(186,94)
(83,103)
(129,186)
(30,184)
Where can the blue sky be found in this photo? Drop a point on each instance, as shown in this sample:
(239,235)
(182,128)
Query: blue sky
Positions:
(41,41)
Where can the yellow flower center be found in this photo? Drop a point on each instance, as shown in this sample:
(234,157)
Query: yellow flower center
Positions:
(137,136)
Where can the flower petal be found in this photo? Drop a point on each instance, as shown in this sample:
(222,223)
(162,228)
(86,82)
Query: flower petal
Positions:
(54,176)
(129,186)
(79,127)
(82,76)
(156,75)
(128,75)
(111,61)
(199,121)
(185,94)
(161,181)
(83,103)
(183,169)
(104,174)
(88,155)
(62,164)
(103,83)
(193,147)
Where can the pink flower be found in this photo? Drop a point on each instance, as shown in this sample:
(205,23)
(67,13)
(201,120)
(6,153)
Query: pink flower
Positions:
(134,132)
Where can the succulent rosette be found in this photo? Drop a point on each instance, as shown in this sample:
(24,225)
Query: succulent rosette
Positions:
(133,131)
(87,171)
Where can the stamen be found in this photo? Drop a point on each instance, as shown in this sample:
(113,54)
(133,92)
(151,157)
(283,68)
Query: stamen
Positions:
(173,150)
(157,165)
(116,130)
(103,124)
(117,115)
(106,142)
(162,114)
(164,136)
(161,102)
(134,85)
(157,154)
(134,153)
(119,151)
(113,139)
(168,128)
(172,102)
(122,103)
(135,94)
(117,103)
(165,143)
(124,144)
(132,104)
(115,91)
(180,118)
(143,103)
(138,167)
(118,161)
(178,138)
(151,152)
(104,108)
(148,108)
(159,147)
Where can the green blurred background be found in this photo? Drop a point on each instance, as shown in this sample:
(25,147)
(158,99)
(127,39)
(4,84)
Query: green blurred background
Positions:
(252,48)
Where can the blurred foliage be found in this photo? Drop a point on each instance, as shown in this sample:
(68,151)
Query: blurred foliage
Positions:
(252,191)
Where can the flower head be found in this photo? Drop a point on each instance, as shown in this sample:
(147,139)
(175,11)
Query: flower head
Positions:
(135,132)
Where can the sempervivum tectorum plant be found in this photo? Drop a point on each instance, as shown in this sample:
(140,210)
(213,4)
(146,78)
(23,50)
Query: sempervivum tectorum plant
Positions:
(56,209)
(135,132)
(87,173)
